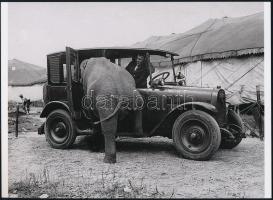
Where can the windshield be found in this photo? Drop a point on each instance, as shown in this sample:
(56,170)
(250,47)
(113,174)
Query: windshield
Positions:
(158,65)
(165,65)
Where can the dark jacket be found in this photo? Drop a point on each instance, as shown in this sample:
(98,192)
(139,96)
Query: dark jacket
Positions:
(140,74)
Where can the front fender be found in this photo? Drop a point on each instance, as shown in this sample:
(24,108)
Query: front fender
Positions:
(175,112)
(195,105)
(53,105)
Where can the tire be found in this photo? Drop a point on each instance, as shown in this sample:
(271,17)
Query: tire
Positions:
(65,136)
(196,135)
(235,123)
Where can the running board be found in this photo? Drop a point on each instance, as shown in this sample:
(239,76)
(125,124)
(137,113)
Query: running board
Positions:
(130,134)
(79,131)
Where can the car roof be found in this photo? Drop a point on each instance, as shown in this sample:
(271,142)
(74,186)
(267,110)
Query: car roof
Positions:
(118,52)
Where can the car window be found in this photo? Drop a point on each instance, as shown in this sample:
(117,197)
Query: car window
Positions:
(73,72)
(125,61)
(64,72)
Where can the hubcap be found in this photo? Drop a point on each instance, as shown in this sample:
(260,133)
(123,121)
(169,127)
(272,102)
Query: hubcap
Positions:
(194,136)
(58,131)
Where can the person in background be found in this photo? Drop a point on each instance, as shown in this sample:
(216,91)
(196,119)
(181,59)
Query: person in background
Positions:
(139,70)
(26,103)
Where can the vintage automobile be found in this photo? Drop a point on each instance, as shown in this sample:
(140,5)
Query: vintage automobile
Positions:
(197,119)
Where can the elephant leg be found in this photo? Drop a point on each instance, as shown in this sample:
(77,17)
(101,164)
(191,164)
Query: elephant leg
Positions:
(109,129)
(110,149)
(138,123)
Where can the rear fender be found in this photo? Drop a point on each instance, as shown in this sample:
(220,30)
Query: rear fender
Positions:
(53,105)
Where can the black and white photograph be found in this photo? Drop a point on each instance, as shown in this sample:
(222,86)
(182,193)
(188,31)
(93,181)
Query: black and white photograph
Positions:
(136,100)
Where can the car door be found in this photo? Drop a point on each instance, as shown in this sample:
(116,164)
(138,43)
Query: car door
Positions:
(154,109)
(74,87)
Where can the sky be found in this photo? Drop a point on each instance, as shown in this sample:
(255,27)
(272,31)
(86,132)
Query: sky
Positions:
(37,29)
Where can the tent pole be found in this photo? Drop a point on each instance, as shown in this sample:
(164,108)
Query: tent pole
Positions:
(258,92)
(174,75)
(148,65)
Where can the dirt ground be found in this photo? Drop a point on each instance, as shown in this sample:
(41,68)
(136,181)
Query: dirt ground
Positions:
(26,123)
(148,167)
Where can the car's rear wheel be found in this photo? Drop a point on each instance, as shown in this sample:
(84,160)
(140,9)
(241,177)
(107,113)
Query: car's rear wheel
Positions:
(196,135)
(59,129)
(235,126)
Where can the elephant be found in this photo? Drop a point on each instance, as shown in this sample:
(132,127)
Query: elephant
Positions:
(109,85)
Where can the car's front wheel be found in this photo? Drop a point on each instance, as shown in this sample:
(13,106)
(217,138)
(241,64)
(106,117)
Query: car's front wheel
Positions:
(59,129)
(196,135)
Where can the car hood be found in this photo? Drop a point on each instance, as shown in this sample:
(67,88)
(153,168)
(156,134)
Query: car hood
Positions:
(184,94)
(177,87)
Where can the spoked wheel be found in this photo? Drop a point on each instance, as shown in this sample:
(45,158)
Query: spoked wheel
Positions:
(196,135)
(59,129)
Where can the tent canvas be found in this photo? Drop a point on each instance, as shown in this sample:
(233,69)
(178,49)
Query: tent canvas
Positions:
(238,76)
(225,52)
(215,38)
(25,74)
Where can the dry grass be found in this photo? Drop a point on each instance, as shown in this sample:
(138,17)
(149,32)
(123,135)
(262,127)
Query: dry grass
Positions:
(33,185)
(108,185)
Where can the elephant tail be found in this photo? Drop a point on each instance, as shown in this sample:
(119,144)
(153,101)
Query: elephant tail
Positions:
(111,115)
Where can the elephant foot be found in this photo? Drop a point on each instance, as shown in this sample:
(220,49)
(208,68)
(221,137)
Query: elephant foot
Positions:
(110,159)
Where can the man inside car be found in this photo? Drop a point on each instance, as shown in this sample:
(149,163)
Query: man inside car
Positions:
(139,70)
